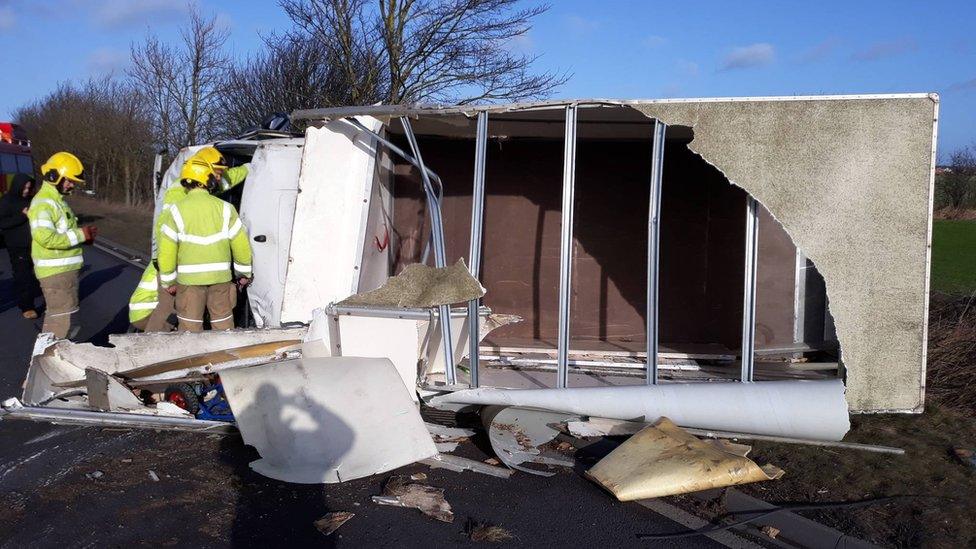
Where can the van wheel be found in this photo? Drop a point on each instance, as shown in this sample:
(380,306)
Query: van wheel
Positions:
(183,396)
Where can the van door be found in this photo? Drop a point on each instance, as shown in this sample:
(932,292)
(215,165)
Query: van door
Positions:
(268,212)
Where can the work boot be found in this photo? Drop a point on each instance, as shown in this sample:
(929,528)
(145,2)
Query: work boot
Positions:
(30,314)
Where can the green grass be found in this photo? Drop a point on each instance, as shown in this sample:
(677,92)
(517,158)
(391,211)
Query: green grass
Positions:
(954,256)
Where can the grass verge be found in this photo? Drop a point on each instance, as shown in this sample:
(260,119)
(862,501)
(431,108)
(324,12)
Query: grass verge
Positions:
(130,226)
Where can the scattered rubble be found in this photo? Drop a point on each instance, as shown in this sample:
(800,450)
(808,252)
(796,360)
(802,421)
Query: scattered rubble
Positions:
(664,460)
(153,476)
(332,521)
(480,532)
(399,491)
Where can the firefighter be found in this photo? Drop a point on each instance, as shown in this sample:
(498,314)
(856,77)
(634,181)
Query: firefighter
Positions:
(203,251)
(56,242)
(227,178)
(160,318)
(145,299)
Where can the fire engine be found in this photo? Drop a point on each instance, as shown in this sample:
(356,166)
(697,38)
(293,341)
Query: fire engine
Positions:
(15,154)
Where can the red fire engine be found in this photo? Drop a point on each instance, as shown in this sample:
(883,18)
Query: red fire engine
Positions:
(15,154)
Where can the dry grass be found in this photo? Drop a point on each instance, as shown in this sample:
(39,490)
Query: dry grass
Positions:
(130,226)
(948,212)
(951,376)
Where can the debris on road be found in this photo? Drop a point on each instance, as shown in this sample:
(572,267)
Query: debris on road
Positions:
(153,476)
(481,532)
(966,456)
(460,464)
(664,460)
(399,491)
(94,474)
(332,521)
(778,408)
(517,436)
(418,476)
(330,419)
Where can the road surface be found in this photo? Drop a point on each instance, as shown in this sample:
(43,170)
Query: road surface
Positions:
(84,487)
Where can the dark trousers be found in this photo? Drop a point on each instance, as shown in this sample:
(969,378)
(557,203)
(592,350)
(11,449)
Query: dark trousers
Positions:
(25,283)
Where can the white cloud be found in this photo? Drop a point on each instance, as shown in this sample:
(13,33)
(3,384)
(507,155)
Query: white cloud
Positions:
(820,51)
(120,13)
(581,25)
(521,44)
(104,61)
(7,18)
(881,50)
(655,41)
(753,55)
(671,90)
(963,85)
(688,68)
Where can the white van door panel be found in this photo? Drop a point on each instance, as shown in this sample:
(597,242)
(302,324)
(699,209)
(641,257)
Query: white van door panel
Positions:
(268,212)
(330,217)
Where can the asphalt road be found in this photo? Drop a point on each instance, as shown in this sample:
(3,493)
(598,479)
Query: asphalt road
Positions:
(85,487)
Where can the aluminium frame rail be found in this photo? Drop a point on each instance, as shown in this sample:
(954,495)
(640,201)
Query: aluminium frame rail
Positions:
(566,247)
(749,290)
(654,249)
(474,252)
(434,197)
(440,254)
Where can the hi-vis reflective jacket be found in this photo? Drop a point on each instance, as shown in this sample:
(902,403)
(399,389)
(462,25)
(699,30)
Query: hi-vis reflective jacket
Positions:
(146,296)
(233,177)
(56,238)
(202,239)
(173,195)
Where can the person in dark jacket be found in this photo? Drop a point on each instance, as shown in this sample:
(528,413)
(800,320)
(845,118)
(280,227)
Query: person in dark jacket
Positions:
(17,234)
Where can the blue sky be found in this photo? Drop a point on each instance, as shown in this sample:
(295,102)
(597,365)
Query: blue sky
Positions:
(614,48)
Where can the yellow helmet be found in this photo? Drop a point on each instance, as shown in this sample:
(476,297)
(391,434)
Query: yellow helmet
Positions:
(63,165)
(212,156)
(198,171)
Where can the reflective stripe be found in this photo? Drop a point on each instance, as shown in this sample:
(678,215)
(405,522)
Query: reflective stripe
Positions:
(203,268)
(60,262)
(42,223)
(62,314)
(167,277)
(149,285)
(242,268)
(188,319)
(178,219)
(72,237)
(235,229)
(202,240)
(167,206)
(228,317)
(142,306)
(226,215)
(170,233)
(50,202)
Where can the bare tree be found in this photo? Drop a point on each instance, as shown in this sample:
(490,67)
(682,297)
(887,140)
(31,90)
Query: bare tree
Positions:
(289,74)
(425,50)
(105,123)
(957,184)
(183,83)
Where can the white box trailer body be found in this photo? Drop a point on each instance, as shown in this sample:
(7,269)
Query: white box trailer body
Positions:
(848,177)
